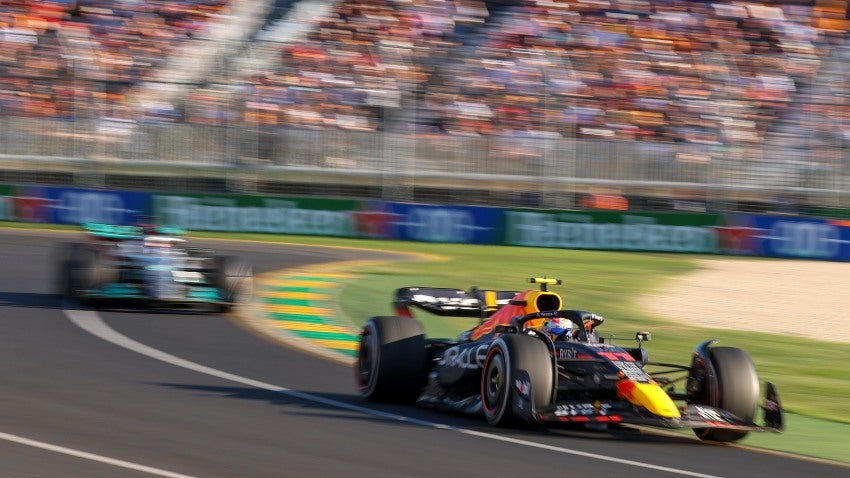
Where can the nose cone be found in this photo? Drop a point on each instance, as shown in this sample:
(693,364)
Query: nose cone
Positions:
(649,396)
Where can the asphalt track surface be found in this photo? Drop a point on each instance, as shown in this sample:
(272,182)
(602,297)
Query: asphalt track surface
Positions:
(142,394)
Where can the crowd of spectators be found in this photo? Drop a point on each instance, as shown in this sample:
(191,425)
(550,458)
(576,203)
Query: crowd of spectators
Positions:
(823,119)
(364,60)
(666,70)
(663,70)
(76,58)
(660,70)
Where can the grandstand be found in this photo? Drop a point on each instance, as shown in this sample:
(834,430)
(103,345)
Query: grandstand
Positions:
(726,104)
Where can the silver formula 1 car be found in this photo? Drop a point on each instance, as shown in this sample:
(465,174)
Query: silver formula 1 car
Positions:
(149,266)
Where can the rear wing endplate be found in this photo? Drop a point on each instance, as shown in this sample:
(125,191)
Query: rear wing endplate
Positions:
(451,302)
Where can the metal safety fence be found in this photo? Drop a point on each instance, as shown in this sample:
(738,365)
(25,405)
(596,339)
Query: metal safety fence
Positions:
(530,171)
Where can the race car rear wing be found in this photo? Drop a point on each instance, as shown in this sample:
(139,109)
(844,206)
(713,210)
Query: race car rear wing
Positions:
(122,232)
(451,302)
(111,231)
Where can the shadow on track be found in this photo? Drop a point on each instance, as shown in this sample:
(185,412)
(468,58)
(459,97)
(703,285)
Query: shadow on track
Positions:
(321,410)
(37,300)
(31,300)
(314,408)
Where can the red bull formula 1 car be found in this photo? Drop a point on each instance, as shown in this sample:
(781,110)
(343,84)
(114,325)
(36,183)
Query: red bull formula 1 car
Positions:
(512,369)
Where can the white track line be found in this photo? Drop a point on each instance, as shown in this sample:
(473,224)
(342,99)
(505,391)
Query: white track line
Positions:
(92,323)
(91,456)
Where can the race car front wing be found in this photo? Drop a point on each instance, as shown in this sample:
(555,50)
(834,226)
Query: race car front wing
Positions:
(692,415)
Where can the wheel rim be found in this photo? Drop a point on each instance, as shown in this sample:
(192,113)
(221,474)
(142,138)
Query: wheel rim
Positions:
(366,360)
(494,383)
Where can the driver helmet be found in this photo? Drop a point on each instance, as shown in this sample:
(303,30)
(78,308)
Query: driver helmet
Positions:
(558,327)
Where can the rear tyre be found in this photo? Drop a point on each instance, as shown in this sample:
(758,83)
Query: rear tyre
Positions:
(233,277)
(392,363)
(506,356)
(737,390)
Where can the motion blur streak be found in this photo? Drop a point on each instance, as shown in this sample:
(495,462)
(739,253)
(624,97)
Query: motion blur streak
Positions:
(91,322)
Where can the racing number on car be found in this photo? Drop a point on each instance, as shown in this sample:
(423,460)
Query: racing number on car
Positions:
(626,363)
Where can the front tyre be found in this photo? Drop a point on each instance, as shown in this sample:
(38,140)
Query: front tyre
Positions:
(81,269)
(65,257)
(509,358)
(392,363)
(737,390)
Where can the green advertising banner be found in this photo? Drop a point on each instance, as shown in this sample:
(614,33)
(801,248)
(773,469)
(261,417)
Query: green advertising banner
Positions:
(7,208)
(830,212)
(242,213)
(621,231)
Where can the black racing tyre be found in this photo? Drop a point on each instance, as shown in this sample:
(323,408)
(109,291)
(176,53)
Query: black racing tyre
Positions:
(507,355)
(64,259)
(102,272)
(233,277)
(392,363)
(738,390)
(81,267)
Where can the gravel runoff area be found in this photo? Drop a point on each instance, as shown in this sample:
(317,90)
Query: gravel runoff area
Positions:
(761,295)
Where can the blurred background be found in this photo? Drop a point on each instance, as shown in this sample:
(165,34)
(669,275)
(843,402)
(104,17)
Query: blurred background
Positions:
(612,104)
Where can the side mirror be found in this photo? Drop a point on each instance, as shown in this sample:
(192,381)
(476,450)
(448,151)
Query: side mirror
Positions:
(641,337)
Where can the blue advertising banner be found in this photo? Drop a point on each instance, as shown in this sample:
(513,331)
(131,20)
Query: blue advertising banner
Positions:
(77,206)
(844,238)
(789,237)
(458,224)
